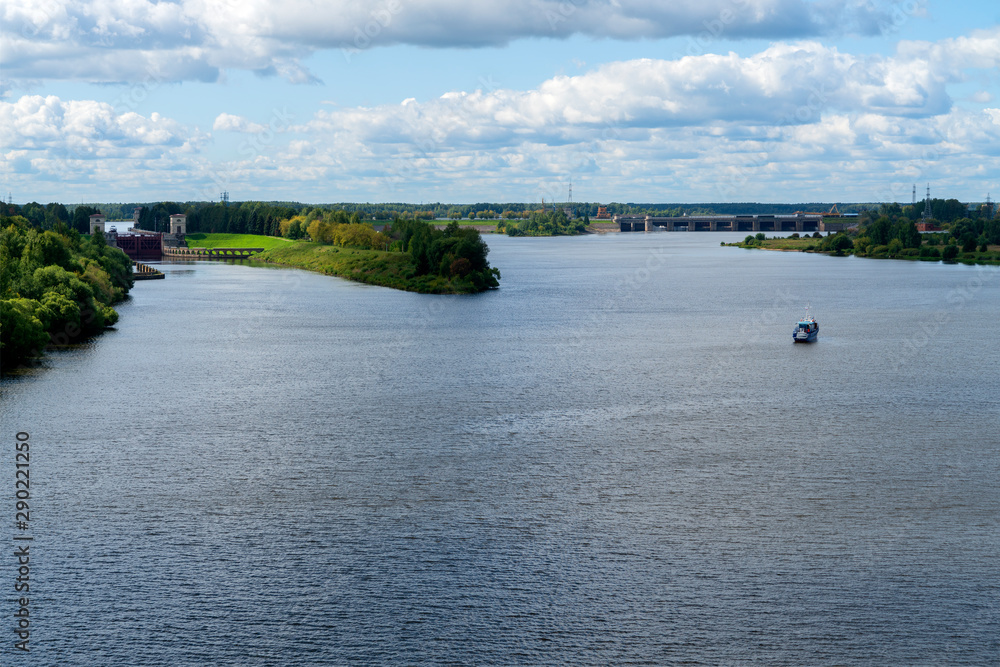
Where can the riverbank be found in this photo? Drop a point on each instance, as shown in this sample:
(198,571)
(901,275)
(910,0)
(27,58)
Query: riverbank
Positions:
(827,246)
(373,267)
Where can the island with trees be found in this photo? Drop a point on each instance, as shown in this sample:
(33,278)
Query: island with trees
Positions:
(541,223)
(409,254)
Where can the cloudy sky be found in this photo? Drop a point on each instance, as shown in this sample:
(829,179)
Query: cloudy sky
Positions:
(439,100)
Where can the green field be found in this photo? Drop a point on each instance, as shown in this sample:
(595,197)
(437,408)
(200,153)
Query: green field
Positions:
(235,241)
(387,269)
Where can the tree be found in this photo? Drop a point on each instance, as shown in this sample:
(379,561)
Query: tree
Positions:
(991,230)
(23,334)
(950,252)
(81,218)
(35,213)
(908,235)
(879,231)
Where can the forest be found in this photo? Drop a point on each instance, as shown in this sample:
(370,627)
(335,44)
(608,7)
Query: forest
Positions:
(56,287)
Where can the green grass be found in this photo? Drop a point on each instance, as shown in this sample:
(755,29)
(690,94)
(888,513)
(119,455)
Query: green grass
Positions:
(387,269)
(235,241)
(790,244)
(784,243)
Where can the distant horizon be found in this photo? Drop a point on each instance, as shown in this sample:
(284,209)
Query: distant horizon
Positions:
(505,203)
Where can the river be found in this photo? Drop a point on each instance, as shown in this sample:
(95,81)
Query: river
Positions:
(618,457)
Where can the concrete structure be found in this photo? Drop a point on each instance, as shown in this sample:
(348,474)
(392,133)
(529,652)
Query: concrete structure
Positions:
(97,221)
(178,224)
(799,222)
(145,272)
(211,253)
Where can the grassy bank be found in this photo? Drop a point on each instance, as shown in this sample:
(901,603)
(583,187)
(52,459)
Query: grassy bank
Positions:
(387,269)
(235,241)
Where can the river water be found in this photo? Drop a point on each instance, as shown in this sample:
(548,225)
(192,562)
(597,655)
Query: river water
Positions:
(618,457)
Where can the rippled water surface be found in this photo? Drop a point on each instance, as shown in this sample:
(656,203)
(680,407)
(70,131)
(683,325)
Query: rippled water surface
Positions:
(619,457)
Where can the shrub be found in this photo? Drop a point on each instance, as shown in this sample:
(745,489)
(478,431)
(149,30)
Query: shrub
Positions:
(950,252)
(910,252)
(879,251)
(760,236)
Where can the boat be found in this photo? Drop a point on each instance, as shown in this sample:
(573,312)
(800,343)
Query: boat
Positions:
(806,330)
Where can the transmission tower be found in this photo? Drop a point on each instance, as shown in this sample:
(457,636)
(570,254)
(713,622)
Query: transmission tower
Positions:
(927,203)
(224,198)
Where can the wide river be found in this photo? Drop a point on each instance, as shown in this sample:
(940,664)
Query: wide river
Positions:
(618,457)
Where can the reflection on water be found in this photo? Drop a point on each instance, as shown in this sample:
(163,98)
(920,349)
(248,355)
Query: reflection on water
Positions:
(620,456)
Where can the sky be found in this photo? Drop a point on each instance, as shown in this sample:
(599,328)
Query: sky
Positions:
(463,102)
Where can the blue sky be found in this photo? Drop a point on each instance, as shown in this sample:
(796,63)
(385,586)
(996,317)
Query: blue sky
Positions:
(436,100)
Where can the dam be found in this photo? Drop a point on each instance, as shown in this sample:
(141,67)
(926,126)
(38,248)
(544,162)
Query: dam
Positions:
(799,222)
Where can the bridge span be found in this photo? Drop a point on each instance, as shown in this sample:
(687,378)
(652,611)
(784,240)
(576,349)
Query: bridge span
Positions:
(211,253)
(800,222)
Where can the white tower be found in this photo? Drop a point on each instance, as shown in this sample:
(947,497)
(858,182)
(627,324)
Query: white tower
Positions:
(97,221)
(178,224)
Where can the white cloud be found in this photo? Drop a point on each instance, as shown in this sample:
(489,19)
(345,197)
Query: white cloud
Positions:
(130,40)
(784,85)
(797,122)
(229,122)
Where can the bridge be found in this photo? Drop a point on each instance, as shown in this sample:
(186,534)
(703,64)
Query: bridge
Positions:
(800,222)
(211,253)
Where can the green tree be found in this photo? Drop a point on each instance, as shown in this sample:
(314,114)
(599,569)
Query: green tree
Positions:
(22,333)
(879,231)
(908,235)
